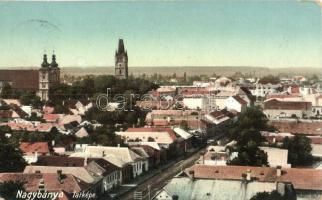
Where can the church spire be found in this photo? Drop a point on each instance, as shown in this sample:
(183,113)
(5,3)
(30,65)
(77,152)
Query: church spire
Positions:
(53,61)
(121,48)
(45,62)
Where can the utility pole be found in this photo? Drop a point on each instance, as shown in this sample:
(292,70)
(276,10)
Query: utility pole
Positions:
(149,191)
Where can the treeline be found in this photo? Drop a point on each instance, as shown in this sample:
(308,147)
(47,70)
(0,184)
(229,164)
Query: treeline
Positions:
(91,86)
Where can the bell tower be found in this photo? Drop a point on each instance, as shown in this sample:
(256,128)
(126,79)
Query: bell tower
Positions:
(121,61)
(44,74)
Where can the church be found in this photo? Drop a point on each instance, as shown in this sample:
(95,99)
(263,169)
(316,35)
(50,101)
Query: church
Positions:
(121,60)
(38,81)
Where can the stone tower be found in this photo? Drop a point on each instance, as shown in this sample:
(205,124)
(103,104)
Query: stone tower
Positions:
(44,73)
(121,60)
(49,75)
(54,77)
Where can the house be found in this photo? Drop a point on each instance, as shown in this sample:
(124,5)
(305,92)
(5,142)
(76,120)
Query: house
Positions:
(241,183)
(154,151)
(110,173)
(264,88)
(235,103)
(276,157)
(164,118)
(31,150)
(307,128)
(78,107)
(187,138)
(79,172)
(82,132)
(122,157)
(275,109)
(214,158)
(65,185)
(200,102)
(216,182)
(165,137)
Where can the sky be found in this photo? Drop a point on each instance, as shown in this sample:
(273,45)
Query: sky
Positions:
(163,33)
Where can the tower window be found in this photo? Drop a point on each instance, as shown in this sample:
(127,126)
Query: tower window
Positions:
(120,71)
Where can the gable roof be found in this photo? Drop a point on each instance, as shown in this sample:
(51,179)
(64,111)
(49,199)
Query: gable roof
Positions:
(31,181)
(274,104)
(61,161)
(32,147)
(239,100)
(122,153)
(79,172)
(171,133)
(81,133)
(301,178)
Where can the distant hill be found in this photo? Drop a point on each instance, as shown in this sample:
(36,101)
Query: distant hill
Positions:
(193,70)
(223,71)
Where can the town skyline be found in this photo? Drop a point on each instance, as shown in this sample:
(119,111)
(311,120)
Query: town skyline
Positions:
(259,34)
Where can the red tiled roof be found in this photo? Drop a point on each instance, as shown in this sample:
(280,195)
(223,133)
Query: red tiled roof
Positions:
(154,129)
(5,113)
(60,161)
(304,179)
(51,181)
(240,100)
(307,128)
(39,147)
(287,105)
(21,79)
(51,117)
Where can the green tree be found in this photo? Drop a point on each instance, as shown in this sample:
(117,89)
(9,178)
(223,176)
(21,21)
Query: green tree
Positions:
(9,189)
(12,160)
(250,155)
(30,98)
(299,150)
(270,79)
(246,132)
(274,195)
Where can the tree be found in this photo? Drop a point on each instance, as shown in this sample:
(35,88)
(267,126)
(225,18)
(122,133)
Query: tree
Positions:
(274,195)
(299,150)
(14,162)
(270,79)
(250,118)
(6,91)
(32,99)
(250,155)
(246,132)
(9,189)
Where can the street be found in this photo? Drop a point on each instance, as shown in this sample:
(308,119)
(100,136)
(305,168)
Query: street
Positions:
(160,179)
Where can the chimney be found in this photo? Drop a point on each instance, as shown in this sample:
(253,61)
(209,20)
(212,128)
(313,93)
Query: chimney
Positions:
(248,175)
(192,173)
(244,177)
(103,154)
(279,171)
(37,171)
(59,174)
(36,155)
(85,161)
(118,145)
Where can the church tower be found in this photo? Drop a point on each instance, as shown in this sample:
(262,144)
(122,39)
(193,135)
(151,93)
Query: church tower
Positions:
(49,75)
(121,60)
(44,74)
(54,71)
